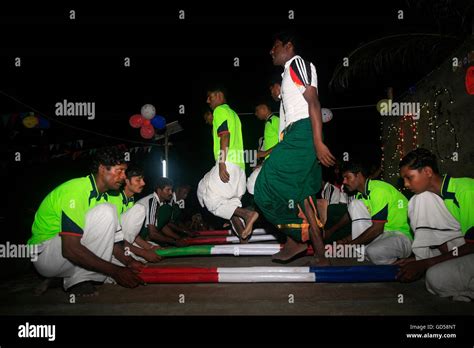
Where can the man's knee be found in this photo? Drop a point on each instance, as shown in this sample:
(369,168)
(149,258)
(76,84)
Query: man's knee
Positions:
(436,278)
(379,254)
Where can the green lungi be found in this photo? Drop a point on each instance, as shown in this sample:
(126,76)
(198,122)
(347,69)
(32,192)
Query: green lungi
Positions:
(290,175)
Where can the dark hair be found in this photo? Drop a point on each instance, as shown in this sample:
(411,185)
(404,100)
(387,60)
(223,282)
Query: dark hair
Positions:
(162,183)
(266,103)
(355,166)
(133,171)
(217,88)
(420,158)
(108,157)
(286,36)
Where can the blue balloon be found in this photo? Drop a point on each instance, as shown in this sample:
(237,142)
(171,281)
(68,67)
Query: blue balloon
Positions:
(43,123)
(159,122)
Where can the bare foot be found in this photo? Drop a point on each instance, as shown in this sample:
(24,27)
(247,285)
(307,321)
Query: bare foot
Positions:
(319,262)
(290,250)
(252,217)
(46,284)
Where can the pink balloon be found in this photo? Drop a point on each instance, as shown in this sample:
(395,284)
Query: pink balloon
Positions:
(147,132)
(136,121)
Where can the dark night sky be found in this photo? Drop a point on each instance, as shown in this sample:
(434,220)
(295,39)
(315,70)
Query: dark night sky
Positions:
(172,63)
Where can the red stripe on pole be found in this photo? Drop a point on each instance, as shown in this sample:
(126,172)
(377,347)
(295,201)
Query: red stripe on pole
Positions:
(212,233)
(186,270)
(180,278)
(206,240)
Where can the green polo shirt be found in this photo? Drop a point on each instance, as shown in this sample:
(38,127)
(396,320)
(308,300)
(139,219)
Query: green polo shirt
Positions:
(458,197)
(226,121)
(64,209)
(386,204)
(121,201)
(271,133)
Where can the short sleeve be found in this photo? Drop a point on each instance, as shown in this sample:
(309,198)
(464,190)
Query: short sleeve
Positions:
(220,121)
(303,74)
(73,208)
(379,205)
(465,200)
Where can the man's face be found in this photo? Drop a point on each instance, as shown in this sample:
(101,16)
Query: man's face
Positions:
(165,194)
(113,177)
(275,91)
(182,193)
(214,99)
(208,118)
(416,180)
(262,112)
(280,52)
(351,181)
(135,184)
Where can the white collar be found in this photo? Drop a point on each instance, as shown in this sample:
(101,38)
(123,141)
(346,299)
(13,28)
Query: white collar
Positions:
(157,198)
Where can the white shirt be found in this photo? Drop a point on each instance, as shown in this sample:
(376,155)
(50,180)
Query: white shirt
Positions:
(151,203)
(297,76)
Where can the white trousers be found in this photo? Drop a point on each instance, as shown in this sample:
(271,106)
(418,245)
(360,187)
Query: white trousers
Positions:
(252,179)
(434,225)
(387,247)
(220,198)
(99,235)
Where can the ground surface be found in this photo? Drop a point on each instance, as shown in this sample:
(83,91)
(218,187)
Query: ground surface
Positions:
(17,296)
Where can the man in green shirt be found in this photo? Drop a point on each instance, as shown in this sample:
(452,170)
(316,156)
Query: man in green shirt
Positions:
(222,188)
(270,139)
(442,217)
(379,216)
(75,228)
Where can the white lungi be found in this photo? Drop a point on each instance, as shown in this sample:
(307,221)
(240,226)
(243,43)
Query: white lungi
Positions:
(99,231)
(252,179)
(433,226)
(220,198)
(387,247)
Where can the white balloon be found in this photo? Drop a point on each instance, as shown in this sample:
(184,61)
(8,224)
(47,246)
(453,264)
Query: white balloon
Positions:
(148,111)
(327,115)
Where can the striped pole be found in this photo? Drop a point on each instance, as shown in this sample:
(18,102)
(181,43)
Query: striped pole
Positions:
(227,240)
(340,274)
(215,233)
(225,249)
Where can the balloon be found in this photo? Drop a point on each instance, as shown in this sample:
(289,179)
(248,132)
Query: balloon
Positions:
(30,121)
(470,80)
(385,103)
(146,122)
(43,123)
(148,111)
(159,122)
(136,121)
(147,132)
(327,115)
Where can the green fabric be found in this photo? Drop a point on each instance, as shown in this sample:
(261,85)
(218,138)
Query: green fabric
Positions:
(121,201)
(163,216)
(271,133)
(334,214)
(64,209)
(458,197)
(288,176)
(386,203)
(185,251)
(223,113)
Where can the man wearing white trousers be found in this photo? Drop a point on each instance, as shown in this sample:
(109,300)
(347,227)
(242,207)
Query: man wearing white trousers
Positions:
(75,230)
(222,188)
(379,216)
(442,217)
